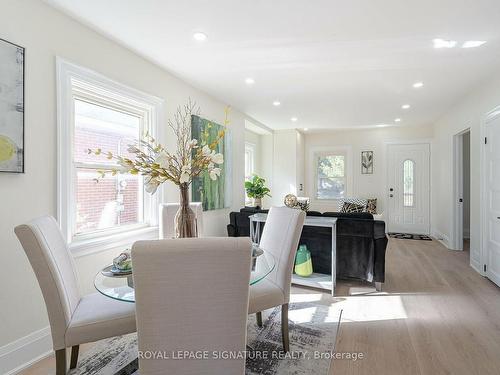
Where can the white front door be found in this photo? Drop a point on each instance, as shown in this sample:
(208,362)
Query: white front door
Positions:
(408,186)
(492,201)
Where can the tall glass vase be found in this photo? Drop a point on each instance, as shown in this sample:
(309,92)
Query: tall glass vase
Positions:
(185,218)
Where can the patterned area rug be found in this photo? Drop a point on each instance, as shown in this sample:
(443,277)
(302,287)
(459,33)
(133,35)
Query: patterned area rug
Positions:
(409,236)
(313,330)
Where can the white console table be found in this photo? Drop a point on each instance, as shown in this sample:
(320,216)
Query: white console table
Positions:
(316,280)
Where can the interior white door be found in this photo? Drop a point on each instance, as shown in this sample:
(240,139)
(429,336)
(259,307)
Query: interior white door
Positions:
(492,200)
(408,185)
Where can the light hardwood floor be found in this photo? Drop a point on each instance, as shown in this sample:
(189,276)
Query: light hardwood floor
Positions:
(434,316)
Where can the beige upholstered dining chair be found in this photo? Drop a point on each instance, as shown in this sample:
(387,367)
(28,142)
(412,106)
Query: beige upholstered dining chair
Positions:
(280,239)
(191,295)
(167,215)
(74,319)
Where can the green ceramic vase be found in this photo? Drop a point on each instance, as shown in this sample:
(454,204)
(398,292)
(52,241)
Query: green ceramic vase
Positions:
(303,262)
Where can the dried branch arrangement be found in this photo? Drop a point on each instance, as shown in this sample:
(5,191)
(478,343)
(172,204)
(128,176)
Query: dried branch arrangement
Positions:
(151,160)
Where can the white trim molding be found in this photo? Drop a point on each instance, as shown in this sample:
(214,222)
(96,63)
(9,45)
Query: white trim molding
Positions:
(442,238)
(24,352)
(456,230)
(74,80)
(483,204)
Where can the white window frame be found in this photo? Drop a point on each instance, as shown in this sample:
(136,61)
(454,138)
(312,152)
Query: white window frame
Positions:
(250,149)
(73,80)
(316,152)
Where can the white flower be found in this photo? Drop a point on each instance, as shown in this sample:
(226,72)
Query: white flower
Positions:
(132,149)
(184,177)
(218,158)
(206,151)
(186,168)
(124,166)
(214,173)
(163,159)
(193,143)
(185,174)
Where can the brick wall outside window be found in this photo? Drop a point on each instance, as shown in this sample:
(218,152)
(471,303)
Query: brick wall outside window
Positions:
(104,203)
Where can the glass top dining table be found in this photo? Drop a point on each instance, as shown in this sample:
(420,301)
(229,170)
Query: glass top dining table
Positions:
(121,288)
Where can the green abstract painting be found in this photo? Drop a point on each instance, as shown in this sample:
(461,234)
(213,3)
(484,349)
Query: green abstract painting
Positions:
(213,194)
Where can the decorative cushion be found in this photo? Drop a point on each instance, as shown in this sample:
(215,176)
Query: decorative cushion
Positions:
(358,201)
(352,207)
(371,206)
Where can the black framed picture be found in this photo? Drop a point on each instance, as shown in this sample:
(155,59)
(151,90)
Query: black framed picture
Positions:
(366,162)
(11,107)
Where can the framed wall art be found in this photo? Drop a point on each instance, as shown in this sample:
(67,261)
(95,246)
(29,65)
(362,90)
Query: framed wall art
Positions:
(11,107)
(216,194)
(366,162)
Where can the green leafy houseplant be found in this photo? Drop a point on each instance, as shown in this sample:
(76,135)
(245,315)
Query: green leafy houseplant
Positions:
(256,189)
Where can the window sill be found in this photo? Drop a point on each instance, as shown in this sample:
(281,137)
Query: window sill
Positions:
(81,248)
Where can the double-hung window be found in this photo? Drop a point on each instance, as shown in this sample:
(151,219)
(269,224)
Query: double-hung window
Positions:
(331,178)
(99,114)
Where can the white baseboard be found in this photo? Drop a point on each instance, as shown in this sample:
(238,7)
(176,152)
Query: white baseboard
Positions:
(477,267)
(444,239)
(22,353)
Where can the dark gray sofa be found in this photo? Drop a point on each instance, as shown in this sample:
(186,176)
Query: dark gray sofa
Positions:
(361,243)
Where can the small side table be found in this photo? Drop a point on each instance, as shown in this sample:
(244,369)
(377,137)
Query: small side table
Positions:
(316,280)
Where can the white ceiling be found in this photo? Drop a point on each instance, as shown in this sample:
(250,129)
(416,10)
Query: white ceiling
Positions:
(331,63)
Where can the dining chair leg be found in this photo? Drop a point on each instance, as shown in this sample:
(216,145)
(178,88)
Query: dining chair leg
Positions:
(61,362)
(284,328)
(259,318)
(74,356)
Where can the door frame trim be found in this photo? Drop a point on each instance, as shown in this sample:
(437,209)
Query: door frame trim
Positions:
(457,227)
(484,253)
(427,141)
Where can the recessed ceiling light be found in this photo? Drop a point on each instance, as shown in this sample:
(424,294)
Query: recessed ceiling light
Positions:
(249,81)
(418,85)
(276,103)
(294,119)
(397,120)
(473,43)
(442,43)
(306,129)
(405,106)
(382,126)
(199,36)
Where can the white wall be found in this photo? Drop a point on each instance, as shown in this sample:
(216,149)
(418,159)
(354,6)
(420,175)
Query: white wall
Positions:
(367,186)
(288,156)
(468,113)
(46,33)
(301,163)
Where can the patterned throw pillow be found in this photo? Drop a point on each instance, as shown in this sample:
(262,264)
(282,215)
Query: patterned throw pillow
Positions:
(359,201)
(351,208)
(371,206)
